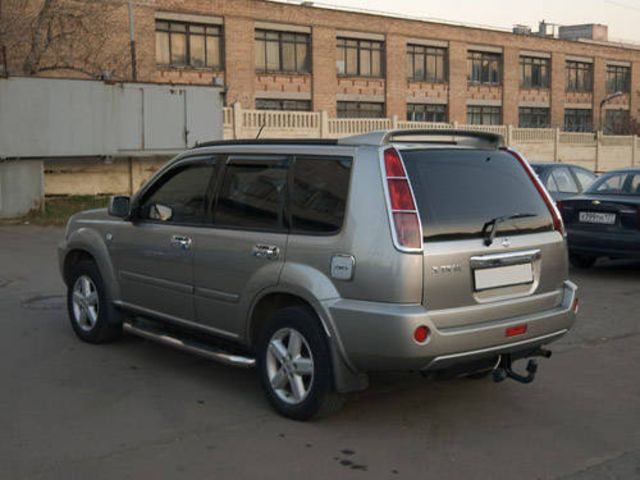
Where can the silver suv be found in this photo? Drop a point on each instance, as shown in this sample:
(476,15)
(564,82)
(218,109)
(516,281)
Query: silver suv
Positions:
(320,261)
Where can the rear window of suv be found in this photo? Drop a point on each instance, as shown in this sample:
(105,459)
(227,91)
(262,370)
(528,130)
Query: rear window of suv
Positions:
(459,191)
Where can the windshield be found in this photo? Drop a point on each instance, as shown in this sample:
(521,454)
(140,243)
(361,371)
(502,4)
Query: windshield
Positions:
(459,191)
(624,183)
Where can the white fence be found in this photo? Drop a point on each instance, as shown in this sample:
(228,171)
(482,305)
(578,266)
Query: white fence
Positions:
(594,151)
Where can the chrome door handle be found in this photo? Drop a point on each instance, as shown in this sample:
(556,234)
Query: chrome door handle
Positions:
(181,242)
(269,252)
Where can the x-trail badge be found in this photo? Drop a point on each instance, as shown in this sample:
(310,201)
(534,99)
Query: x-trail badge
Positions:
(506,243)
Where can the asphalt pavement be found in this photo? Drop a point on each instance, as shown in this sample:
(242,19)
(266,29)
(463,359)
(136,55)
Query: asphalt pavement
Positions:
(138,410)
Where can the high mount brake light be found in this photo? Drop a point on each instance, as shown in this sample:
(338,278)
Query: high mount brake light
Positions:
(405,222)
(558,224)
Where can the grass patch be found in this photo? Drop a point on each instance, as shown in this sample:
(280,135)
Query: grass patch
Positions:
(58,209)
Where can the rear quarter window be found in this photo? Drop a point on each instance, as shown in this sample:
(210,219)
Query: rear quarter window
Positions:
(458,191)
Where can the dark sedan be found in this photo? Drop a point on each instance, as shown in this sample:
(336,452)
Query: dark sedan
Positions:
(605,220)
(563,180)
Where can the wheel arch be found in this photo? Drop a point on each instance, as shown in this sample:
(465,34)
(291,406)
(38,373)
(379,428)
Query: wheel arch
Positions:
(87,244)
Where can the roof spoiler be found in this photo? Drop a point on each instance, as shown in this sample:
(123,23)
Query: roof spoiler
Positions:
(469,138)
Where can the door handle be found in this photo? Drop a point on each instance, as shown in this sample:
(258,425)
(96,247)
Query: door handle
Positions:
(269,252)
(181,242)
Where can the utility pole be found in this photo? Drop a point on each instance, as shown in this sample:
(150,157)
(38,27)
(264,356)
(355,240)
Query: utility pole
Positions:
(132,43)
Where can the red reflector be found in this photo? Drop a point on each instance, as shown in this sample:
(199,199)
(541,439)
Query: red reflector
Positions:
(400,194)
(576,306)
(421,334)
(517,330)
(407,229)
(393,163)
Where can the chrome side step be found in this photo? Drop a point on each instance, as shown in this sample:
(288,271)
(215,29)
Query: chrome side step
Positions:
(200,349)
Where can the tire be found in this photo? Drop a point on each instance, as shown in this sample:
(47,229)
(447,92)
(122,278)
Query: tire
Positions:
(298,389)
(93,318)
(582,261)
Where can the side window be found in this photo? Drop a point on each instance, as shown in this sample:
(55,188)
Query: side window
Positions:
(635,185)
(252,193)
(551,184)
(564,180)
(180,196)
(319,194)
(585,178)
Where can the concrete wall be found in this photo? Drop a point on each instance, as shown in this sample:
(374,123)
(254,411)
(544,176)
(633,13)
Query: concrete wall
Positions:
(48,118)
(21,187)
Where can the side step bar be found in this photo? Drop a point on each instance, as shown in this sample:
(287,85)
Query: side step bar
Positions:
(196,348)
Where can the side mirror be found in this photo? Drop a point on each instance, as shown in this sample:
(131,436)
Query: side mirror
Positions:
(120,206)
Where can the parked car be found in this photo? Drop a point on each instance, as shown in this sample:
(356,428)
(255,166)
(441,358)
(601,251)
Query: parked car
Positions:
(563,180)
(321,261)
(605,220)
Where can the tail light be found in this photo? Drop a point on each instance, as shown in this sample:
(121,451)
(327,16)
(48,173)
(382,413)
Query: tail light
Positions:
(405,221)
(558,224)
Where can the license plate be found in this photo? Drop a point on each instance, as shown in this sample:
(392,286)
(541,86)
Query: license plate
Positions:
(598,217)
(488,278)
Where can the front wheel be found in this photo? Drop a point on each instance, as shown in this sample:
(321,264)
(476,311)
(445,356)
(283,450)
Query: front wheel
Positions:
(295,365)
(93,318)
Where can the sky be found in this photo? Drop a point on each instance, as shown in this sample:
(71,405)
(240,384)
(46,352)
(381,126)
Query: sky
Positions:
(622,16)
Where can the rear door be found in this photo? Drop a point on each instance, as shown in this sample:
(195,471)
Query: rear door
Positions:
(244,250)
(461,196)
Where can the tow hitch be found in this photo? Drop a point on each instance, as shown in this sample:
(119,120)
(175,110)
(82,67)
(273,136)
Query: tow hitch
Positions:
(504,369)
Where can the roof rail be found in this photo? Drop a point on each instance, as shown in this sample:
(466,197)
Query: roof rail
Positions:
(268,141)
(471,138)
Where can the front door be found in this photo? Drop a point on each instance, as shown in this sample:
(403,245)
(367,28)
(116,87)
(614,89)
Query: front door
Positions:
(244,251)
(153,254)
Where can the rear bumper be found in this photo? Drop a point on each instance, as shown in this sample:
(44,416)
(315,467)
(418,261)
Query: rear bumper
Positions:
(604,244)
(379,337)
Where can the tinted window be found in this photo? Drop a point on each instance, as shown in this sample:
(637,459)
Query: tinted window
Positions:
(252,193)
(180,196)
(319,194)
(458,191)
(585,178)
(564,180)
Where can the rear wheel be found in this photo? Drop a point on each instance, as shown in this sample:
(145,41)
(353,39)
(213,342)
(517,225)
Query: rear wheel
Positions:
(295,365)
(93,317)
(582,261)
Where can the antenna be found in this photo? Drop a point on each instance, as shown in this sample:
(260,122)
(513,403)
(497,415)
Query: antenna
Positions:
(260,131)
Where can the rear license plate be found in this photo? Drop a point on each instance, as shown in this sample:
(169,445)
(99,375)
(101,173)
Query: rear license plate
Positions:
(598,217)
(488,278)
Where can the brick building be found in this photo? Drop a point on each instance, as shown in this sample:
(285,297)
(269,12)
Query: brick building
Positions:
(272,55)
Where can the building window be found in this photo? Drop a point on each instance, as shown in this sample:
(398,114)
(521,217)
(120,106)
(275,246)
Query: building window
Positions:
(484,115)
(284,104)
(420,112)
(618,79)
(360,58)
(360,110)
(426,64)
(579,77)
(534,72)
(282,52)
(617,122)
(578,120)
(483,68)
(534,117)
(181,44)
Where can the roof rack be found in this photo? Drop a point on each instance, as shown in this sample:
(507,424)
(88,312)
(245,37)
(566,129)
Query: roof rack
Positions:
(270,141)
(469,138)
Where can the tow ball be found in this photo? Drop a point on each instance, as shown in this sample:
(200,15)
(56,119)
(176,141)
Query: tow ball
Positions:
(504,369)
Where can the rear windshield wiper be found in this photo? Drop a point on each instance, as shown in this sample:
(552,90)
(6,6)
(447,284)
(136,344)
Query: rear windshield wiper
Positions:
(490,228)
